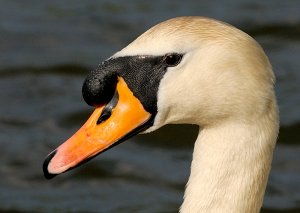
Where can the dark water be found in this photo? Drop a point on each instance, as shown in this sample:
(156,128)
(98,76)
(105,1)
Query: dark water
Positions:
(47,47)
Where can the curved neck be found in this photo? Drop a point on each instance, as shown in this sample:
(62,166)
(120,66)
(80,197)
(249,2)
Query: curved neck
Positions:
(230,167)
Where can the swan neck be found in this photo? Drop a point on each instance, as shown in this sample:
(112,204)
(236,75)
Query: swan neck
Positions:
(230,167)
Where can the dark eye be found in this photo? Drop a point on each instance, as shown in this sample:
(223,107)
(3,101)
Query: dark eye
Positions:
(172,59)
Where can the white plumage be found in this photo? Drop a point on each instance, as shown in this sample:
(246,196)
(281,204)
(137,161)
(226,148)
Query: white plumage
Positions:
(224,84)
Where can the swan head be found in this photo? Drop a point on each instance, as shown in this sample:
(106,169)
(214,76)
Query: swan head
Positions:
(185,70)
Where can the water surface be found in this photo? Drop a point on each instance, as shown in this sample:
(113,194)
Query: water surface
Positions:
(47,48)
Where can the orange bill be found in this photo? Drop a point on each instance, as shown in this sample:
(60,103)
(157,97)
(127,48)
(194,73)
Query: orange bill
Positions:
(127,117)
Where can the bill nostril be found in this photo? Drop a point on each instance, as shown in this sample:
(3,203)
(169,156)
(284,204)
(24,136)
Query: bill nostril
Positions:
(107,111)
(99,88)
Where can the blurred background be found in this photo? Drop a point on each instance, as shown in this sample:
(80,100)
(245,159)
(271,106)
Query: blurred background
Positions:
(46,50)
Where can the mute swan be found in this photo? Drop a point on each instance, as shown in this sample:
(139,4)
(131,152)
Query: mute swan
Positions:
(187,70)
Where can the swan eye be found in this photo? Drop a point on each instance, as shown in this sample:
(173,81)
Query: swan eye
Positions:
(173,59)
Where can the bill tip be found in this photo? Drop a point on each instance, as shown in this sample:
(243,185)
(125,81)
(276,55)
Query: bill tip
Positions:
(47,174)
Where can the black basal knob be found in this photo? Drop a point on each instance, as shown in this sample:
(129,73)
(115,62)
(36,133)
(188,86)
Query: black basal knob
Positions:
(99,87)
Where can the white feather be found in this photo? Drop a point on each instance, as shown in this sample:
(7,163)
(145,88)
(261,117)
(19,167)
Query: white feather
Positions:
(224,84)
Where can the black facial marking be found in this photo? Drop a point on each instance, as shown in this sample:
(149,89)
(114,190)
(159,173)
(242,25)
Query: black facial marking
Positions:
(106,112)
(141,73)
